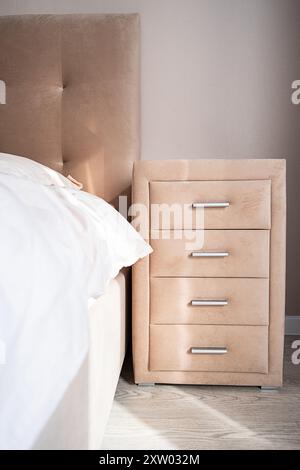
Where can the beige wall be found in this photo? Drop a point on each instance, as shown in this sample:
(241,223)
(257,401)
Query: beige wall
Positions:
(216,82)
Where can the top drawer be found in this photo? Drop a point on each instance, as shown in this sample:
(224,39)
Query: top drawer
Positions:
(249,204)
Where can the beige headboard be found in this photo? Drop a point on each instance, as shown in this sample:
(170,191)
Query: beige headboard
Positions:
(72,95)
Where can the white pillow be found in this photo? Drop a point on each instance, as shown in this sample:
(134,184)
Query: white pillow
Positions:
(124,244)
(29,169)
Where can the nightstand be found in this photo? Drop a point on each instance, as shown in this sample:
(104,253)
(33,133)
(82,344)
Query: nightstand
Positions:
(208,304)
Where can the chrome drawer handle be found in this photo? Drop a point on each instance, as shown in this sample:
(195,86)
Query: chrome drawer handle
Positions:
(209,254)
(209,302)
(196,205)
(209,350)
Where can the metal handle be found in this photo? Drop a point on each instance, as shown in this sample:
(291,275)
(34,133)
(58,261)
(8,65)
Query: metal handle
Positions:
(209,302)
(209,350)
(196,205)
(209,254)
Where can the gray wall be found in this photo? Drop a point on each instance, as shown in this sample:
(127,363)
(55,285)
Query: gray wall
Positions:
(216,82)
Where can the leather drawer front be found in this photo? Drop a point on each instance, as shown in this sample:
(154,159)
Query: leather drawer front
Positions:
(249,203)
(248,301)
(248,254)
(247,348)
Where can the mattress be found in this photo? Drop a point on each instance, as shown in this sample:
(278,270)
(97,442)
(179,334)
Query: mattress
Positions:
(79,420)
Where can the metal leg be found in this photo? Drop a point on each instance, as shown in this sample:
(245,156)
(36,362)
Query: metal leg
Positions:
(146,384)
(267,388)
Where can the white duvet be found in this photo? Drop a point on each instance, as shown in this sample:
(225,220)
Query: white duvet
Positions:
(58,247)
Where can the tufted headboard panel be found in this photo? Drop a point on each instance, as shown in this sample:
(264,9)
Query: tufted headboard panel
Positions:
(72,95)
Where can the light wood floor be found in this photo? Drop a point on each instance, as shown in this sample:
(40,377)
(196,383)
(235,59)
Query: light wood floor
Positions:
(205,417)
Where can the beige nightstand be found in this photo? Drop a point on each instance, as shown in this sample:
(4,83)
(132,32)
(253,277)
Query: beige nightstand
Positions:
(208,304)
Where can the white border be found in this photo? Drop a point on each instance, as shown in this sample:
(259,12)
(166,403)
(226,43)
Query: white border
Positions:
(2,92)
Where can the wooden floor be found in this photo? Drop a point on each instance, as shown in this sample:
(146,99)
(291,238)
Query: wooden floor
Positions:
(206,417)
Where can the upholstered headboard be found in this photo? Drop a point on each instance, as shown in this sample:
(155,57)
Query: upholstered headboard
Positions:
(72,95)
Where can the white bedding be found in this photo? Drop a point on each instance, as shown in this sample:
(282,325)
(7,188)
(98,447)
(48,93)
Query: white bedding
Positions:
(79,420)
(58,248)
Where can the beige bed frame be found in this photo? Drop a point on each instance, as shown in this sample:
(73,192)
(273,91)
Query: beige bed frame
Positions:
(72,103)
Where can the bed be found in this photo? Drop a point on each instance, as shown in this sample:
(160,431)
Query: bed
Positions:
(72,103)
(82,427)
